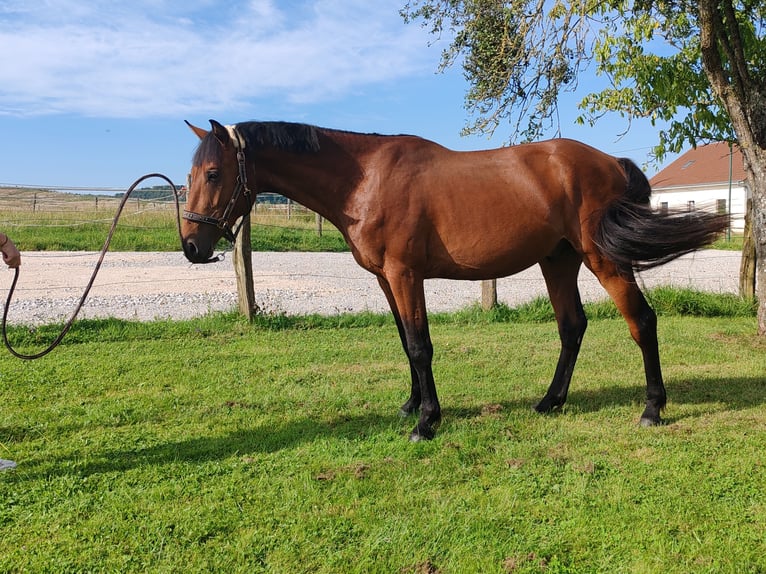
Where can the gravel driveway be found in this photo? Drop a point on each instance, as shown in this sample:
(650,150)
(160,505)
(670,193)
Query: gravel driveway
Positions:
(145,286)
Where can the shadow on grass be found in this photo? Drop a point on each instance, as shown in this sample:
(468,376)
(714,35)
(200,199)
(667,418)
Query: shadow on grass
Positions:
(201,449)
(736,393)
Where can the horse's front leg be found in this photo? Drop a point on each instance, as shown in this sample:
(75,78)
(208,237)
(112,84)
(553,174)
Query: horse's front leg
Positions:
(407,294)
(412,404)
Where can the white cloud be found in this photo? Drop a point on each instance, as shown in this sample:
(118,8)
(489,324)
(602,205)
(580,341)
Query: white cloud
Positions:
(162,58)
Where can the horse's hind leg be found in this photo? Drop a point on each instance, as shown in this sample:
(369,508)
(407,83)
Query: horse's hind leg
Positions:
(642,322)
(560,270)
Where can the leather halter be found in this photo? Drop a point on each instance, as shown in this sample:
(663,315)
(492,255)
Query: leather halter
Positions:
(222,222)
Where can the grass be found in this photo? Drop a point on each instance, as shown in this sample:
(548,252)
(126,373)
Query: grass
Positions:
(215,445)
(733,243)
(61,222)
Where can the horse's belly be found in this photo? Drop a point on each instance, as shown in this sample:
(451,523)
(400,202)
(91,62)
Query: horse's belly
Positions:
(483,259)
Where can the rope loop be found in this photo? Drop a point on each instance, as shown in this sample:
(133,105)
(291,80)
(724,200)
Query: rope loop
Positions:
(104,249)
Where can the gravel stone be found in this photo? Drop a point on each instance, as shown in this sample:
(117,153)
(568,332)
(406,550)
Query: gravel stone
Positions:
(147,286)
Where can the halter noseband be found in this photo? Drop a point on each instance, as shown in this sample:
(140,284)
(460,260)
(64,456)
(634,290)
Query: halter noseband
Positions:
(222,222)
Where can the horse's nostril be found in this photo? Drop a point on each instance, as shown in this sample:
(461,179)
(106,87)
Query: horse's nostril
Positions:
(195,253)
(190,250)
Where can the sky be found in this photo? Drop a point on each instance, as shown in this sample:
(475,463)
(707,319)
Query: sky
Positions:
(95,92)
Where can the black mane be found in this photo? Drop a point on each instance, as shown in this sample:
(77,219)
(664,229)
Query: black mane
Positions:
(285,136)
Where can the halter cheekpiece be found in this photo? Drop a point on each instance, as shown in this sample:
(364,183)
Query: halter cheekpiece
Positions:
(222,222)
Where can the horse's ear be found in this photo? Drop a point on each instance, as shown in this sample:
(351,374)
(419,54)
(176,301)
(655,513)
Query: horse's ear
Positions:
(199,131)
(220,133)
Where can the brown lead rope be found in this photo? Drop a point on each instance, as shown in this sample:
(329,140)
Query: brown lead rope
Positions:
(104,249)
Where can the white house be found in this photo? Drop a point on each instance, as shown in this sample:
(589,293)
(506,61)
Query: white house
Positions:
(710,177)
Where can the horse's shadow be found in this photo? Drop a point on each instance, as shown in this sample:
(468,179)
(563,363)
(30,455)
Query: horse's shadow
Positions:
(735,394)
(243,443)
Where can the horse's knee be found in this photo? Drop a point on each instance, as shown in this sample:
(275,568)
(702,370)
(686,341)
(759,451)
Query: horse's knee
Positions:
(420,353)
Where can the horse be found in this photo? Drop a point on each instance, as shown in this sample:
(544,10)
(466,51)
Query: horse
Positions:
(411,209)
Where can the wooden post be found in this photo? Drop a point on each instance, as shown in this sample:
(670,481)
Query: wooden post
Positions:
(319,224)
(488,294)
(243,267)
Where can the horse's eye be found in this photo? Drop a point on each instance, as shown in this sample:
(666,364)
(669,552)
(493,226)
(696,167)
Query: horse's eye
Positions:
(212,176)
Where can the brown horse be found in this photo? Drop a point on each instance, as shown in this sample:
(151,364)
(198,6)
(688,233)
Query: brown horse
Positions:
(411,210)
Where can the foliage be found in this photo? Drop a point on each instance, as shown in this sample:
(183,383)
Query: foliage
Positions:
(214,445)
(667,302)
(518,56)
(651,54)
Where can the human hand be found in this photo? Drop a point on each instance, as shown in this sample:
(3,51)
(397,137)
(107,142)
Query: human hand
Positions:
(11,254)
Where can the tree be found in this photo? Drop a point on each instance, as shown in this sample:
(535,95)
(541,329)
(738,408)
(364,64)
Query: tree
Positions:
(697,66)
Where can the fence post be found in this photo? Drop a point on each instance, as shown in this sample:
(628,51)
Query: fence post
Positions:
(319,224)
(243,267)
(488,294)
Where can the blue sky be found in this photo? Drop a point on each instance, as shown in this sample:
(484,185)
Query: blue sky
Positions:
(94,92)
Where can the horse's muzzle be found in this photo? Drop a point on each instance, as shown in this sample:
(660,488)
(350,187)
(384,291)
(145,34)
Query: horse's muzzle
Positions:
(196,254)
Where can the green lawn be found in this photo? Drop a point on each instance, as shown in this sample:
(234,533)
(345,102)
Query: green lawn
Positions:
(218,446)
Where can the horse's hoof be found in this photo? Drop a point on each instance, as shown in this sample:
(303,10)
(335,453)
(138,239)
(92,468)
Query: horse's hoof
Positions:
(650,422)
(421,433)
(545,407)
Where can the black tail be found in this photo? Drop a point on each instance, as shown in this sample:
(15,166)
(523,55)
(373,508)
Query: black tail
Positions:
(633,236)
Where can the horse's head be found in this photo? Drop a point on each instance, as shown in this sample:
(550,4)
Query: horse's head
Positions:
(218,192)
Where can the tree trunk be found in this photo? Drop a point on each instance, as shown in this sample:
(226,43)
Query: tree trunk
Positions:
(747,267)
(759,236)
(726,67)
(755,166)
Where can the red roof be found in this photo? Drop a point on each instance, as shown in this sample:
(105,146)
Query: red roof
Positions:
(705,164)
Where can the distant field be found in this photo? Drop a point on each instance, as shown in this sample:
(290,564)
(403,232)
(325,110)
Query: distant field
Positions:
(40,220)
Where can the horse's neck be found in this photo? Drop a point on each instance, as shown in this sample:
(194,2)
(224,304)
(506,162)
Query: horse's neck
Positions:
(321,181)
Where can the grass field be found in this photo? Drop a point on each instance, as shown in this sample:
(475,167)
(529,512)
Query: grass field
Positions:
(50,221)
(216,445)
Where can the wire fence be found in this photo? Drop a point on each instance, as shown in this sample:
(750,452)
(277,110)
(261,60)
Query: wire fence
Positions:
(52,207)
